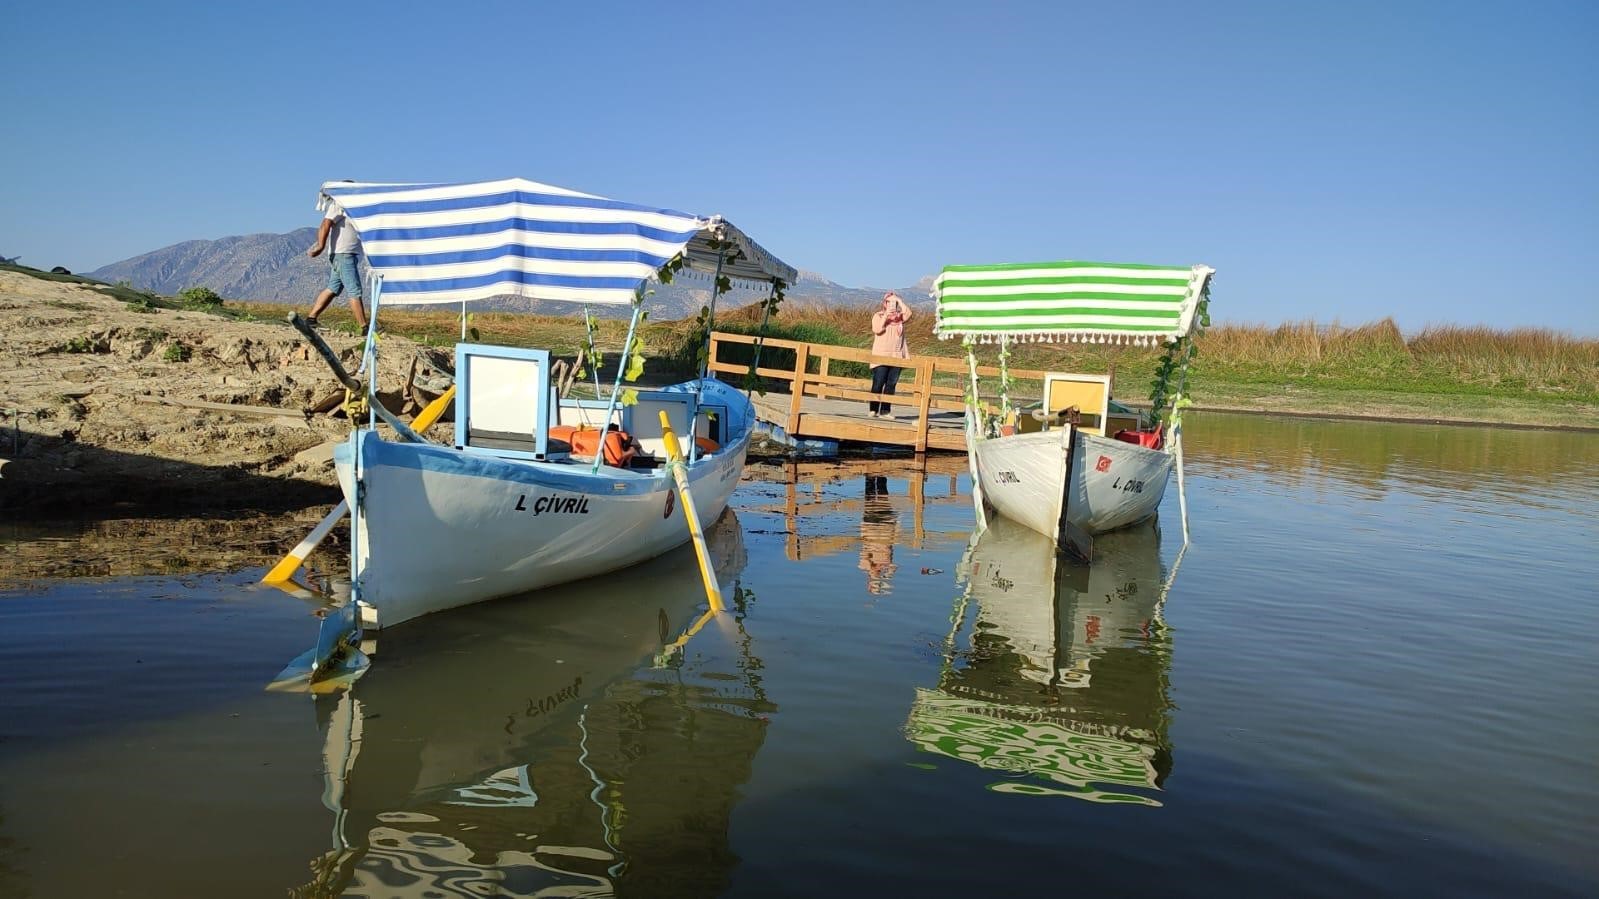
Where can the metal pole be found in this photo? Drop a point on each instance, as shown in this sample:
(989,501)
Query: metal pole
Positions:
(357,517)
(1182,492)
(369,357)
(1177,438)
(760,339)
(705,368)
(1004,377)
(616,389)
(588,326)
(710,317)
(974,425)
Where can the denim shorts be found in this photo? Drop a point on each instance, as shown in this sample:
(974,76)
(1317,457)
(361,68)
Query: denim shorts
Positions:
(344,275)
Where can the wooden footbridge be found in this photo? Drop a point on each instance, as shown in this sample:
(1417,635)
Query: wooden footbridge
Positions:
(817,394)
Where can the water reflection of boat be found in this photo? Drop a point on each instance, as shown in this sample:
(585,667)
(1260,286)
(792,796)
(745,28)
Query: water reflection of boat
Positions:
(532,748)
(1062,685)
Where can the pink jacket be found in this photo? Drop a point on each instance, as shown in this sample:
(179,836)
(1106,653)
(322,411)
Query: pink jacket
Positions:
(888,338)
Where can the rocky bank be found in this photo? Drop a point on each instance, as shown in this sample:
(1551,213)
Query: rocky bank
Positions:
(107,405)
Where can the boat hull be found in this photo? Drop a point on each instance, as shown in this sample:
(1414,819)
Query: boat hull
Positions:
(1113,483)
(441,528)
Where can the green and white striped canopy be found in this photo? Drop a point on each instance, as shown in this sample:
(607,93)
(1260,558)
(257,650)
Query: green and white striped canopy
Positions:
(1093,302)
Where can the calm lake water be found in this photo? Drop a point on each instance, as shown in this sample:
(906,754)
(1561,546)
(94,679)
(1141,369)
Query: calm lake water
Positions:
(1373,672)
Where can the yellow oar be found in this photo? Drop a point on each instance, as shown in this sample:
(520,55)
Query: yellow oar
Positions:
(674,456)
(291,563)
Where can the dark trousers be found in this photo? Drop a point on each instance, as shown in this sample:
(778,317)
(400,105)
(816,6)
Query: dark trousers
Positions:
(884,379)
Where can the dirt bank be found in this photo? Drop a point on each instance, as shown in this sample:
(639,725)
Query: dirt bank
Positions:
(109,405)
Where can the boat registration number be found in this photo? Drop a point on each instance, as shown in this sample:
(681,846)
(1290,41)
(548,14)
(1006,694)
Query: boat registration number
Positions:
(1128,485)
(554,505)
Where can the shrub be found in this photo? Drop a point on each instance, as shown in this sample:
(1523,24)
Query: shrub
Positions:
(177,352)
(200,298)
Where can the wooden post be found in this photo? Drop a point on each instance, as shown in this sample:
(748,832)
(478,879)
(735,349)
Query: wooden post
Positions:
(802,358)
(791,511)
(826,365)
(924,384)
(918,482)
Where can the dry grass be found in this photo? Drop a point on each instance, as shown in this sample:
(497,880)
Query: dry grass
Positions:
(1377,356)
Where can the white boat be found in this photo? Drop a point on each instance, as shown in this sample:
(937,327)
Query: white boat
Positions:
(508,507)
(1105,485)
(443,528)
(1060,688)
(1078,464)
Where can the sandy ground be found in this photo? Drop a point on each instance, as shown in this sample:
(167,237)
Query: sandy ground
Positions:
(97,411)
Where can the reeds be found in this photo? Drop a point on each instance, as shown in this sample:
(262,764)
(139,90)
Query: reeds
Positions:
(1534,362)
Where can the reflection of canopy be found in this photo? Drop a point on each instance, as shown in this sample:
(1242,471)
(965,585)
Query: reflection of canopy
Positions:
(1098,302)
(1017,740)
(447,243)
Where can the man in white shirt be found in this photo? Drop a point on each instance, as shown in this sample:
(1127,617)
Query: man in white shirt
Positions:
(344,274)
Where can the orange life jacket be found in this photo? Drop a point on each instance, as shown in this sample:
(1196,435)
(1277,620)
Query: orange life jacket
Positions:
(585,441)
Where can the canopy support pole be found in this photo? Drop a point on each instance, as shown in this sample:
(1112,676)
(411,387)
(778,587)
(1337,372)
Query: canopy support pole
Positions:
(705,367)
(760,341)
(1182,492)
(463,321)
(710,310)
(1176,433)
(588,327)
(974,433)
(369,354)
(1004,377)
(616,388)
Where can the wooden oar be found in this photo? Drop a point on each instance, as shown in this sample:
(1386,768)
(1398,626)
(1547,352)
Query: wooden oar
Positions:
(674,457)
(291,563)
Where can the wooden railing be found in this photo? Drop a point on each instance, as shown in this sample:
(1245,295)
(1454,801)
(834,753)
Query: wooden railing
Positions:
(811,376)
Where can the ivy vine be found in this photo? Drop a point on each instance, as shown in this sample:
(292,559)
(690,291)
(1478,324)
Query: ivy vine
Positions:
(590,357)
(633,356)
(1166,399)
(769,306)
(1005,379)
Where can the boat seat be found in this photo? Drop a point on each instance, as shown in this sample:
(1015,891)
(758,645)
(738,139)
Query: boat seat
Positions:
(1089,393)
(643,420)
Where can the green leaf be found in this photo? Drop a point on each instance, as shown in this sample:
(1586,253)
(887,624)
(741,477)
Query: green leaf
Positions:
(629,397)
(635,367)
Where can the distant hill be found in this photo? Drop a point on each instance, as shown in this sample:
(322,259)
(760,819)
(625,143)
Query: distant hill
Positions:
(273,268)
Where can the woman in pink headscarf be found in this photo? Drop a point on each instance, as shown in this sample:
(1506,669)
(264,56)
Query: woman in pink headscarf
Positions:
(888,339)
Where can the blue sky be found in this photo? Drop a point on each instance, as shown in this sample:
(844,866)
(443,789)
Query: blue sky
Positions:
(1434,162)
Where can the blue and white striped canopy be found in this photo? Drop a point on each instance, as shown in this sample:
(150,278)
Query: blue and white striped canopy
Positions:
(449,243)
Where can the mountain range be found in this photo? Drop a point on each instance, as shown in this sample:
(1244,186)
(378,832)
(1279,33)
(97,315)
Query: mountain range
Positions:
(273,268)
